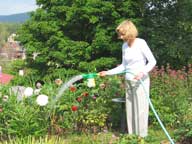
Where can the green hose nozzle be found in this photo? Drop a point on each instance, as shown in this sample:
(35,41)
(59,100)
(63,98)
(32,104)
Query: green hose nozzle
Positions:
(90,75)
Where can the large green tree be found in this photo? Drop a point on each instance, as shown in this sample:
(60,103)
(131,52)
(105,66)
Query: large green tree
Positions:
(78,34)
(168,29)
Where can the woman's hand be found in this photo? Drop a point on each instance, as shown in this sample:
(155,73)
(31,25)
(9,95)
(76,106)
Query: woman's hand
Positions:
(139,76)
(102,73)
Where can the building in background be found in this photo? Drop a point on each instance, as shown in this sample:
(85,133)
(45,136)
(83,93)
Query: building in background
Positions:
(12,49)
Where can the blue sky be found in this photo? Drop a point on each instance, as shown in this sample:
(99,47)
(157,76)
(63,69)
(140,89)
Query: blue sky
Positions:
(8,7)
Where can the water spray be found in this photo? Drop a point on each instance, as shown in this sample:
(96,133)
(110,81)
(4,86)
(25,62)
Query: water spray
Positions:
(90,77)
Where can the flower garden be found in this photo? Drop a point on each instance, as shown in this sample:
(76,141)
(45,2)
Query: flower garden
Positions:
(32,111)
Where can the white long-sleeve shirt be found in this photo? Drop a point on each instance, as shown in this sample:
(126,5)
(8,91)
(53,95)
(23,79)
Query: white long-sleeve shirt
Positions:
(137,58)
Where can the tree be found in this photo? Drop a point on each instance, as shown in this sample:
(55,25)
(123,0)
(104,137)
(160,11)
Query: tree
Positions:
(167,28)
(80,35)
(77,34)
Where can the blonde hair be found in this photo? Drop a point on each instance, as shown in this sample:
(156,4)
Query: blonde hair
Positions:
(127,29)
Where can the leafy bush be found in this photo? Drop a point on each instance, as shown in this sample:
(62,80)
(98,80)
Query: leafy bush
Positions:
(93,107)
(22,118)
(90,109)
(170,94)
(184,133)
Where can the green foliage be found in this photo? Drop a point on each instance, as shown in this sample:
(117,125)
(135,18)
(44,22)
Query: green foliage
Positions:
(94,110)
(97,65)
(185,131)
(17,65)
(131,139)
(33,140)
(6,29)
(60,73)
(65,33)
(22,118)
(167,27)
(69,139)
(74,35)
(170,94)
(93,105)
(25,117)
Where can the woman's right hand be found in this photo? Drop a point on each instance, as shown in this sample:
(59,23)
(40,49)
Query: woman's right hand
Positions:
(102,73)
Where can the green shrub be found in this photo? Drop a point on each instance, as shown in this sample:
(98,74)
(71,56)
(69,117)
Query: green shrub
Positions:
(22,118)
(185,131)
(85,109)
(170,95)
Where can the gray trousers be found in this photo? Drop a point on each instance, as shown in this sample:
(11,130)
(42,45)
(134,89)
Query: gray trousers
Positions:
(137,106)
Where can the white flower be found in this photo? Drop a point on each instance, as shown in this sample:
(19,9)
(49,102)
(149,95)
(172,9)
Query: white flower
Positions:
(28,92)
(21,72)
(5,98)
(42,100)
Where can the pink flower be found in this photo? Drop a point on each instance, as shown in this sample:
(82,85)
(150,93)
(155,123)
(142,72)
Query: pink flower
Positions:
(94,97)
(79,99)
(173,73)
(181,77)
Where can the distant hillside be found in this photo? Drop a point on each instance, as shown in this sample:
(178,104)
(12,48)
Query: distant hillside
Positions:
(15,18)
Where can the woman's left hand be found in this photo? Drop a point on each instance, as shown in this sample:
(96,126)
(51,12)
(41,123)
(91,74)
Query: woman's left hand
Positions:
(139,76)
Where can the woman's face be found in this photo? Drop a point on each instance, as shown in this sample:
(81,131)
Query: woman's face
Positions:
(122,36)
(122,33)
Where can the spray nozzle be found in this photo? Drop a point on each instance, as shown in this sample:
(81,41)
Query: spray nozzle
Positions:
(90,75)
(90,79)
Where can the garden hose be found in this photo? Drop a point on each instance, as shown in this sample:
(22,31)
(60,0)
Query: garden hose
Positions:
(93,75)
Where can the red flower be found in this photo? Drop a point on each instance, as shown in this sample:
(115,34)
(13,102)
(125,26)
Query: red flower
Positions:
(73,88)
(85,94)
(74,108)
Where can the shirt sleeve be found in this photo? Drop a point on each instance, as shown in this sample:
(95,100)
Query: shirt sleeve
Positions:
(151,61)
(116,70)
(119,68)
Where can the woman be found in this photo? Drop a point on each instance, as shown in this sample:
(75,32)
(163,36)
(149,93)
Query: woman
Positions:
(138,59)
